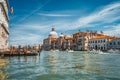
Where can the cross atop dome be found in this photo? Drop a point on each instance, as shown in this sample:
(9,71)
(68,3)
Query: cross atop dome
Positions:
(53,29)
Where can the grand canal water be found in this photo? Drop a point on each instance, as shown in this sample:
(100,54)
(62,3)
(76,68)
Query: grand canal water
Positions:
(64,66)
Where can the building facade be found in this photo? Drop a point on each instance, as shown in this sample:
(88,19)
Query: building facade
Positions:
(100,42)
(81,39)
(50,42)
(67,43)
(4,19)
(114,44)
(75,41)
(59,41)
(53,42)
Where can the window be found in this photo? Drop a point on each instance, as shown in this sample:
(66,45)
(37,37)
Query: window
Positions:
(103,40)
(114,43)
(104,47)
(98,41)
(104,44)
(118,43)
(89,41)
(95,41)
(110,43)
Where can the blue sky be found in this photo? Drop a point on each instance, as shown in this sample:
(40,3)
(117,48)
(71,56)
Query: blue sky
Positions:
(33,19)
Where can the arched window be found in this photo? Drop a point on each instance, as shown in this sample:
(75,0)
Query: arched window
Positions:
(110,43)
(114,43)
(118,43)
(104,40)
(96,41)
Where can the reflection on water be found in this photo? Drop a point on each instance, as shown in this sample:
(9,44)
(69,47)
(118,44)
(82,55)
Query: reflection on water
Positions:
(64,66)
(3,73)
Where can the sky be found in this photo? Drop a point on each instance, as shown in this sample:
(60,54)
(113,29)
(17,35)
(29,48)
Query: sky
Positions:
(33,19)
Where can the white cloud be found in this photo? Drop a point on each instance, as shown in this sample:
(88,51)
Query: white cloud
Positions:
(113,31)
(25,39)
(108,14)
(55,15)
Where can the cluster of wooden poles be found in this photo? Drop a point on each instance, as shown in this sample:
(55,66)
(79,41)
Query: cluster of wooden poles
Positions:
(22,51)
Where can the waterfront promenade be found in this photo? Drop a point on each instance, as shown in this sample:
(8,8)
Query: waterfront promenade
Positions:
(21,51)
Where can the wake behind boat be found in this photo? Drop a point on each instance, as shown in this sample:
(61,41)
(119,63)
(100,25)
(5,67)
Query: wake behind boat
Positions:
(97,52)
(113,51)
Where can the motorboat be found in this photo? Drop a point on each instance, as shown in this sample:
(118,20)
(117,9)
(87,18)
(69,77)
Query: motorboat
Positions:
(54,50)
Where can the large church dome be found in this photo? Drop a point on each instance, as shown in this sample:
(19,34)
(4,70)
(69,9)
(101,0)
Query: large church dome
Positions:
(53,33)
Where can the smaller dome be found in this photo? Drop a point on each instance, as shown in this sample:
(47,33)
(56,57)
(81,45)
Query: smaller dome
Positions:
(68,36)
(61,35)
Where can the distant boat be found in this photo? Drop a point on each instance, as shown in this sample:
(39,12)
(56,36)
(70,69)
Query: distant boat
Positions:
(96,51)
(54,50)
(69,50)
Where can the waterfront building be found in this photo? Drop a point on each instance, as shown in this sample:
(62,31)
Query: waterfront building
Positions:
(4,33)
(80,40)
(114,44)
(75,41)
(50,42)
(67,43)
(100,42)
(59,41)
(53,42)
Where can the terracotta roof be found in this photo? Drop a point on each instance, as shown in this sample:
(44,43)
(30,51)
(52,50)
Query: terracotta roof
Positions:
(117,38)
(68,37)
(51,38)
(102,37)
(60,38)
(84,33)
(77,33)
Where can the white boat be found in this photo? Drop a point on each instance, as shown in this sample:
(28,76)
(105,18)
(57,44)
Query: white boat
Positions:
(70,51)
(54,50)
(96,51)
(100,52)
